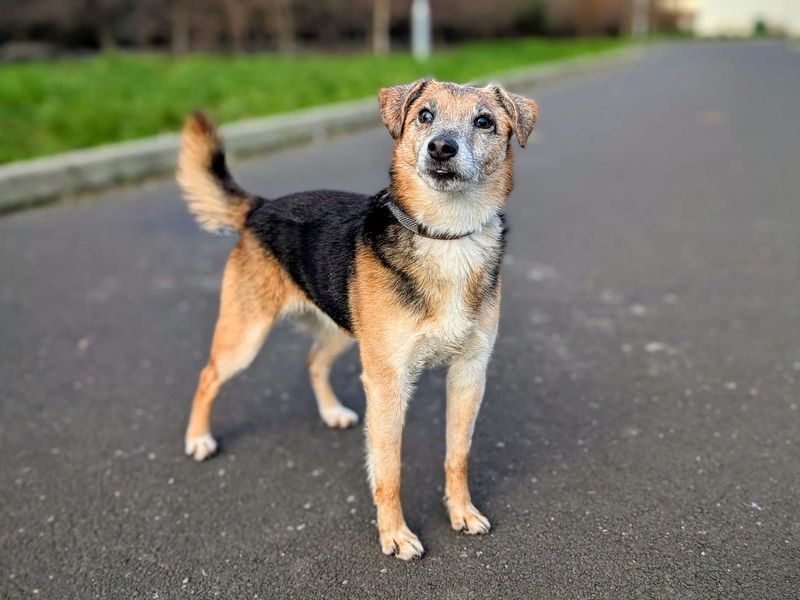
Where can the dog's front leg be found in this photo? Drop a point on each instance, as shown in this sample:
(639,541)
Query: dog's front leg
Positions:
(388,390)
(466,381)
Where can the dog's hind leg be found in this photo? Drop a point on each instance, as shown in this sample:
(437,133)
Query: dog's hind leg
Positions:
(329,344)
(236,343)
(249,303)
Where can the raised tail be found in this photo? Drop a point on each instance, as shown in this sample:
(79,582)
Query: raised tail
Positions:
(211,194)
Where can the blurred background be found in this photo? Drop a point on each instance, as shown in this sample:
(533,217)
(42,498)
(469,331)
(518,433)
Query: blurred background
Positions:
(287,26)
(42,28)
(151,61)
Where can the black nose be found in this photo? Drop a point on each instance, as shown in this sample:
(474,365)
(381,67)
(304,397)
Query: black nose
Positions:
(442,148)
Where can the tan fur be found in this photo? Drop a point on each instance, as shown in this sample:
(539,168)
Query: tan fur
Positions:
(329,345)
(381,324)
(466,381)
(255,290)
(215,208)
(454,322)
(394,104)
(522,113)
(395,343)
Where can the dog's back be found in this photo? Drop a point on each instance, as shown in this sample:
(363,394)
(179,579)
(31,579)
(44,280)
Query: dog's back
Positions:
(314,235)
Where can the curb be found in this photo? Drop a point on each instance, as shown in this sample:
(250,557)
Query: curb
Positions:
(32,182)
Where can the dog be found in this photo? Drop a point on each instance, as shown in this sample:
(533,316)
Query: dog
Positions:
(412,274)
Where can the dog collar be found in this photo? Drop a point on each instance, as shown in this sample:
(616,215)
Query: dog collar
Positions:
(417,228)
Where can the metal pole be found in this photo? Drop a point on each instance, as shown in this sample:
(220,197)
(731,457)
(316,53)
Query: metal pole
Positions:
(421,29)
(640,19)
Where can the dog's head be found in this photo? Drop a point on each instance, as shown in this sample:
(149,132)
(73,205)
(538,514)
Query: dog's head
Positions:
(455,136)
(454,140)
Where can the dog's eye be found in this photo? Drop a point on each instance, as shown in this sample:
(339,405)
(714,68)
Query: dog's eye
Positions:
(425,116)
(483,122)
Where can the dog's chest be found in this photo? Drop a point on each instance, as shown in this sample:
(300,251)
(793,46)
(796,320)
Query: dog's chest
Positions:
(458,277)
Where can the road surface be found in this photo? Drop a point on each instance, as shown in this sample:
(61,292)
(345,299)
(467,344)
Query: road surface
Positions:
(640,435)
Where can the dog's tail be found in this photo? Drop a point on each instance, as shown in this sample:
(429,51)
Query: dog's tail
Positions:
(211,194)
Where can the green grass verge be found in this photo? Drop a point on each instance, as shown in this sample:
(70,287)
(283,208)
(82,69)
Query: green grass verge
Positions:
(76,103)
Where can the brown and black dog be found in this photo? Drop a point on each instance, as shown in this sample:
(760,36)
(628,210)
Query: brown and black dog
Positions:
(412,274)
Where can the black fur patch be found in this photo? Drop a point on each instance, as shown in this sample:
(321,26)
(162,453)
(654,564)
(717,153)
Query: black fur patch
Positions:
(393,245)
(219,168)
(313,236)
(494,270)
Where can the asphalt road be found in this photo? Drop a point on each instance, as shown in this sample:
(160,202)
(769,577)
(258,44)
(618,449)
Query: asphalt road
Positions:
(640,435)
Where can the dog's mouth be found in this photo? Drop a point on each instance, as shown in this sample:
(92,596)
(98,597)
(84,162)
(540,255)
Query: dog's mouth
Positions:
(443,175)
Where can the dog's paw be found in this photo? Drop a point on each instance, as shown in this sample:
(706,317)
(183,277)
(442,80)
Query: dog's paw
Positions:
(201,447)
(401,543)
(339,417)
(469,520)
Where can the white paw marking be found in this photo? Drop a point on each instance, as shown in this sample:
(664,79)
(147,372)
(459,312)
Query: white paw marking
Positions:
(401,543)
(339,417)
(469,520)
(201,448)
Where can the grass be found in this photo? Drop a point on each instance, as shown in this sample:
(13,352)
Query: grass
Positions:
(76,103)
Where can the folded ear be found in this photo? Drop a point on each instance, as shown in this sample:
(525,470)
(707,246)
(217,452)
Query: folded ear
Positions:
(395,102)
(521,110)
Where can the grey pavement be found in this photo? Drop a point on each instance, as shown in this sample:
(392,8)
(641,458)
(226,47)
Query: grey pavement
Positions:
(640,436)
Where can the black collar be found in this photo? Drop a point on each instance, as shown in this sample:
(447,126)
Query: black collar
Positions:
(413,226)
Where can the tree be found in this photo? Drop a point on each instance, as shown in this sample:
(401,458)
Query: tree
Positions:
(760,28)
(381,23)
(105,17)
(238,12)
(180,37)
(284,26)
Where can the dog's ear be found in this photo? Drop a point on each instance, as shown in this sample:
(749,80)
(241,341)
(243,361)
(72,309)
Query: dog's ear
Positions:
(395,102)
(522,112)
